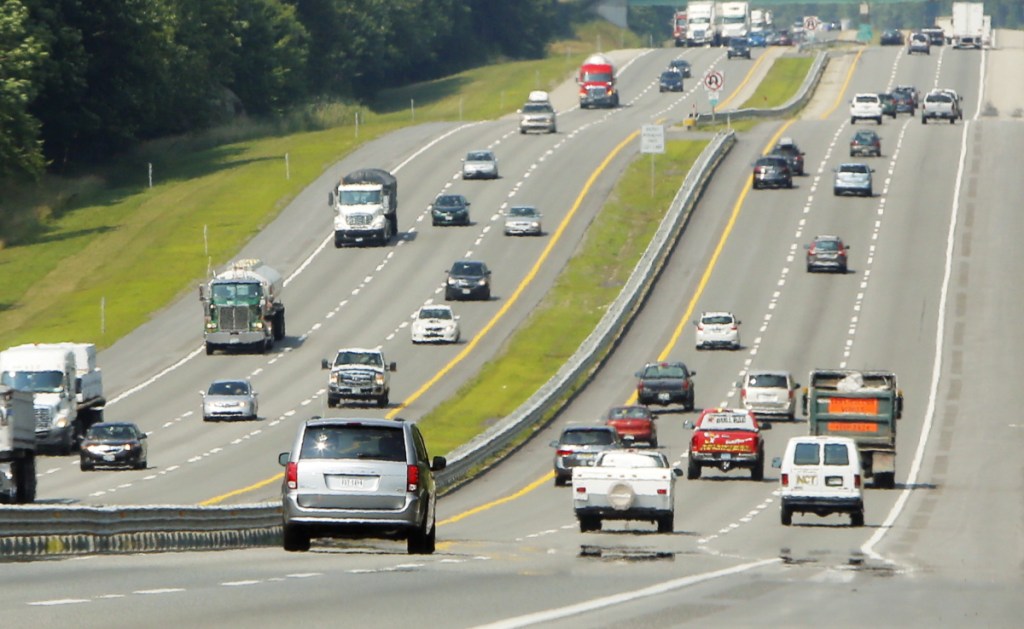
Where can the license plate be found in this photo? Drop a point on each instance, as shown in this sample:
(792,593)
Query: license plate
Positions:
(359,239)
(584,456)
(726,456)
(664,397)
(337,481)
(108,457)
(465,291)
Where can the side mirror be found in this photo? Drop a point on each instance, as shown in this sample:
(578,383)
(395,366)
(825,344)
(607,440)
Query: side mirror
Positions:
(638,374)
(807,247)
(796,385)
(519,111)
(143,436)
(282,459)
(693,373)
(202,393)
(325,364)
(330,199)
(765,425)
(688,424)
(393,366)
(777,462)
(738,322)
(438,464)
(676,471)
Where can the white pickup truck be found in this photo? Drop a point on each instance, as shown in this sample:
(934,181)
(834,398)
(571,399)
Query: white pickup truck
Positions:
(625,485)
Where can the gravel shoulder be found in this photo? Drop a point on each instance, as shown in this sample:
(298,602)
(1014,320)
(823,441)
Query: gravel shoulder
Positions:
(1004,87)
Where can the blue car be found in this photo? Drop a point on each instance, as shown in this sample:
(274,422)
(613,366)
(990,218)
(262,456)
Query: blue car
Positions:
(757,40)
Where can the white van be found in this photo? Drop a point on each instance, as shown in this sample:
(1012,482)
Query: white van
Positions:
(821,475)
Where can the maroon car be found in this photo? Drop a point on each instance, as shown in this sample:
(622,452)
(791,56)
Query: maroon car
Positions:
(633,423)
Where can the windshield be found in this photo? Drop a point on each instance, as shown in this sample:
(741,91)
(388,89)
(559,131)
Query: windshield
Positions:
(449,200)
(717,319)
(359,197)
(699,21)
(33,381)
(479,157)
(435,313)
(229,388)
(110,431)
(737,19)
(358,358)
(467,268)
(587,437)
(597,77)
(522,211)
(536,108)
(857,169)
(633,459)
(236,293)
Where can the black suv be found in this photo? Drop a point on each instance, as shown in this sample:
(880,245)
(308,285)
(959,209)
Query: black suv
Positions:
(787,148)
(665,383)
(450,209)
(468,279)
(358,478)
(772,171)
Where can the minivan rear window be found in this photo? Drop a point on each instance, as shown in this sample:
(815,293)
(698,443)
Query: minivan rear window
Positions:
(773,381)
(353,442)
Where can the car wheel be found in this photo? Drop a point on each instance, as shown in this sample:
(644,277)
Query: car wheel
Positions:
(448,295)
(666,523)
(835,191)
(589,523)
(857,518)
(786,514)
(924,120)
(952,121)
(295,539)
(421,542)
(853,121)
(878,120)
(689,403)
(486,295)
(692,470)
(810,268)
(141,465)
(842,269)
(209,349)
(560,481)
(885,480)
(654,441)
(85,467)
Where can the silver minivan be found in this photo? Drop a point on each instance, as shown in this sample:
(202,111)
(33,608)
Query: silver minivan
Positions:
(357,478)
(769,392)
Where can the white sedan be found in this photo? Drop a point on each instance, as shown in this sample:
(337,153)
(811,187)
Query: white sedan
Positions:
(717,329)
(435,324)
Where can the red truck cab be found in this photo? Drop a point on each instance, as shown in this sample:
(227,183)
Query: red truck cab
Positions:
(596,80)
(726,438)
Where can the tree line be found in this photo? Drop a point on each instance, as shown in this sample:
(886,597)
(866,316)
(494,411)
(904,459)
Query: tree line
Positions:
(81,80)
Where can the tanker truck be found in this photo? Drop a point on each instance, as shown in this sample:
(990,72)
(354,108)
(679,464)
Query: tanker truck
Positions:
(17,446)
(365,204)
(242,308)
(66,385)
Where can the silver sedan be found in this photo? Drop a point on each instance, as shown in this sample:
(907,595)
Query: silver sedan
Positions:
(522,220)
(229,399)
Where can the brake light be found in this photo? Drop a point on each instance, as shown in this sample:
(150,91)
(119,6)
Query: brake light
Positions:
(792,394)
(563,452)
(785,480)
(291,475)
(733,326)
(743,393)
(581,490)
(662,492)
(412,478)
(856,481)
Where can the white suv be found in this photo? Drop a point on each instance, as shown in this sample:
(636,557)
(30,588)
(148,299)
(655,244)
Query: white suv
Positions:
(821,475)
(866,107)
(717,329)
(769,392)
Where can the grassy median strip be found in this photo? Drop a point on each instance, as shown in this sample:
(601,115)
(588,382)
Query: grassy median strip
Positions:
(590,282)
(780,83)
(89,260)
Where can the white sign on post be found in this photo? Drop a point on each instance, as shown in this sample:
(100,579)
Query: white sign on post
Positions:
(714,81)
(811,23)
(652,138)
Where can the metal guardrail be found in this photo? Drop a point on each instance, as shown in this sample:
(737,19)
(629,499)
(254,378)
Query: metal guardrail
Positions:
(792,106)
(45,530)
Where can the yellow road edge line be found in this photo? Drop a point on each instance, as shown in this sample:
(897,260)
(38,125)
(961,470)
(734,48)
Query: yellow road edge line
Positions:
(487,328)
(846,84)
(500,501)
(746,79)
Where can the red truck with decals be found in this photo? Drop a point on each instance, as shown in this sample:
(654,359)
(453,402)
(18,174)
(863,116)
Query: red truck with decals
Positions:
(596,80)
(679,28)
(726,438)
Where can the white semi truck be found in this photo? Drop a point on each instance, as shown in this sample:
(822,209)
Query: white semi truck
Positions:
(242,308)
(17,446)
(66,385)
(761,20)
(365,204)
(970,29)
(735,18)
(702,26)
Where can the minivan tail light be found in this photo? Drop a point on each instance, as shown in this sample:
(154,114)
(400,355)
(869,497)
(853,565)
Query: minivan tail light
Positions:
(412,478)
(785,480)
(563,452)
(291,475)
(856,481)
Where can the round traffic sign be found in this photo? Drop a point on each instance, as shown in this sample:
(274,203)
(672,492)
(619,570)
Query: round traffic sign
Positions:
(714,80)
(811,23)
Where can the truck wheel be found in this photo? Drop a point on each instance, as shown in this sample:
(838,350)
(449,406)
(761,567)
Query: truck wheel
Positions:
(589,523)
(279,325)
(338,242)
(295,539)
(209,349)
(857,518)
(384,399)
(560,481)
(924,119)
(786,515)
(666,523)
(394,224)
(692,470)
(24,480)
(689,403)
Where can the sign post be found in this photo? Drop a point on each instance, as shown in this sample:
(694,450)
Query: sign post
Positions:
(652,140)
(714,81)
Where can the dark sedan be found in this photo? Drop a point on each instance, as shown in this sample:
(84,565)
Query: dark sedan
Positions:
(866,142)
(683,66)
(892,37)
(114,444)
(670,81)
(468,279)
(450,209)
(772,171)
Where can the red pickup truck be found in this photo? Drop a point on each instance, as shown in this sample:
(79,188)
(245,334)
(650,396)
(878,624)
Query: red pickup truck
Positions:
(726,438)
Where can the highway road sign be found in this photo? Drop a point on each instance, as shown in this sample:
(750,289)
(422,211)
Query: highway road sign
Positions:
(714,80)
(652,138)
(811,23)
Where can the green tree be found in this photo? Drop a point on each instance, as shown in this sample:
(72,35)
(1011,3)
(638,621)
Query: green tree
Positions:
(21,152)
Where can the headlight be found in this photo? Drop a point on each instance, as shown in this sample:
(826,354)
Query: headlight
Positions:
(62,420)
(128,446)
(210,325)
(481,282)
(379,378)
(258,325)
(451,281)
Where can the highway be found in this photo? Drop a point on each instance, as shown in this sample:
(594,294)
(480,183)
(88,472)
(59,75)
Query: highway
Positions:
(932,254)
